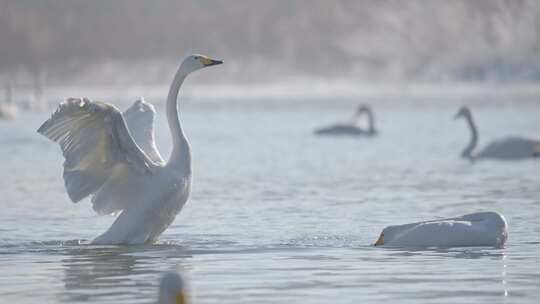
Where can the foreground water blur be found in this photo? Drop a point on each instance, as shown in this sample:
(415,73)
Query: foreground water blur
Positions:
(278,214)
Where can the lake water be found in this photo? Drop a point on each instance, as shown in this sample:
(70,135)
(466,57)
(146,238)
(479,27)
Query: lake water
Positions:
(279,215)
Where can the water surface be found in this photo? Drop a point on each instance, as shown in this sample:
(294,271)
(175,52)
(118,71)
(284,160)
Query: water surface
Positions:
(278,214)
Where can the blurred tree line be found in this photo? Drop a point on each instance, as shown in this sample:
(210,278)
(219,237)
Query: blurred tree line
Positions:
(436,39)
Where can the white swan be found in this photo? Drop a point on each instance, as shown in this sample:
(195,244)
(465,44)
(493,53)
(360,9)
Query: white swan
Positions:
(173,289)
(8,110)
(352,128)
(475,229)
(121,172)
(504,148)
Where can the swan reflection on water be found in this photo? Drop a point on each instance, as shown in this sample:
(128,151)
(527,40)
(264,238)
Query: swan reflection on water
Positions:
(92,272)
(473,253)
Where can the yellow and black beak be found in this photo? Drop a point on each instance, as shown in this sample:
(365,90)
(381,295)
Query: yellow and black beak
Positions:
(209,62)
(380,241)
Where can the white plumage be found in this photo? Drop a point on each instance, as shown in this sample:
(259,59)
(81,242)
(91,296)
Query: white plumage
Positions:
(475,229)
(511,148)
(140,120)
(8,111)
(118,164)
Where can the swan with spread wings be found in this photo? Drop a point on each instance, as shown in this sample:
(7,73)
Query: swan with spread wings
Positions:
(112,157)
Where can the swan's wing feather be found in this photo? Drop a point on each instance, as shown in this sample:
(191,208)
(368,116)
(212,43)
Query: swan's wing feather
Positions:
(140,121)
(94,138)
(124,187)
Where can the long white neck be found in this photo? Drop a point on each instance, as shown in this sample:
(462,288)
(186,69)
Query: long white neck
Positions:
(180,158)
(370,119)
(467,152)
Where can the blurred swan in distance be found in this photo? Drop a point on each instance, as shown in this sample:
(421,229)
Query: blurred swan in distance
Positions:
(173,289)
(475,229)
(113,158)
(353,128)
(8,109)
(508,148)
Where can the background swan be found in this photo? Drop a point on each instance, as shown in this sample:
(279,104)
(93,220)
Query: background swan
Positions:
(475,229)
(8,109)
(123,172)
(352,128)
(504,148)
(173,289)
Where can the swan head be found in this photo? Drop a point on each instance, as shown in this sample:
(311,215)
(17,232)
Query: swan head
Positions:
(196,62)
(172,289)
(363,108)
(463,112)
(391,233)
(388,234)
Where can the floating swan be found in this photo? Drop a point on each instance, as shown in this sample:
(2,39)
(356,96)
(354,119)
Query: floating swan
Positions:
(475,229)
(120,167)
(8,111)
(173,289)
(505,148)
(352,128)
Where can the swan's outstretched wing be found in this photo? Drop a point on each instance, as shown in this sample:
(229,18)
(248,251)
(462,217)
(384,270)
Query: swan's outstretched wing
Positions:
(94,138)
(140,120)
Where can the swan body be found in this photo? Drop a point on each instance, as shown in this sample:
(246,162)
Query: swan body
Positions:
(507,148)
(510,148)
(475,229)
(112,157)
(8,111)
(352,128)
(340,129)
(173,289)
